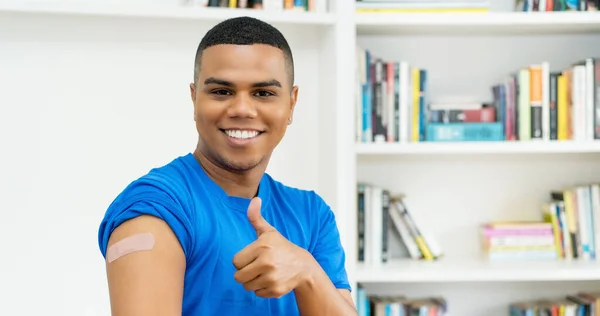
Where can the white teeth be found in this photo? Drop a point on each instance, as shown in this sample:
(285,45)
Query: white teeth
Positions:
(241,134)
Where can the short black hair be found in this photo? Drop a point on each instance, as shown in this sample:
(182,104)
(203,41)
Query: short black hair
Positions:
(245,31)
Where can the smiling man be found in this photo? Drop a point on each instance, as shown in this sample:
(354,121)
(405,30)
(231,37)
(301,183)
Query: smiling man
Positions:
(210,233)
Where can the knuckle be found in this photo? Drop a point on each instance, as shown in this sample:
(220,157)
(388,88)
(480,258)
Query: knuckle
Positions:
(270,265)
(237,276)
(236,262)
(271,279)
(268,262)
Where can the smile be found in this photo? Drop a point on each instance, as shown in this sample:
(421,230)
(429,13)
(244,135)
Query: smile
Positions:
(241,134)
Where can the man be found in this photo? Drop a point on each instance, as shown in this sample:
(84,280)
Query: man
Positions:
(210,233)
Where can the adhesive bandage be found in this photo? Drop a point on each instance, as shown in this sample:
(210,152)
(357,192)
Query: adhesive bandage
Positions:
(127,245)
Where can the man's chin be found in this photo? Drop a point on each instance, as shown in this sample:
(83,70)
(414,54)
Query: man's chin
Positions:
(240,165)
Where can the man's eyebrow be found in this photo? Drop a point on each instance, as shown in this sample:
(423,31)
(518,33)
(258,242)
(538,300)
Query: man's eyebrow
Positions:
(269,83)
(260,84)
(212,80)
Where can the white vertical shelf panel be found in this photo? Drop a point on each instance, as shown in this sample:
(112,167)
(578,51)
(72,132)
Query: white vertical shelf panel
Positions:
(345,166)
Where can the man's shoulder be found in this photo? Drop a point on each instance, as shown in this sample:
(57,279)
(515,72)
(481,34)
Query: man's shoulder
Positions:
(169,180)
(162,192)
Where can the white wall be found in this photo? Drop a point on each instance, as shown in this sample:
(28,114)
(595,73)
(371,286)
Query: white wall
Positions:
(88,105)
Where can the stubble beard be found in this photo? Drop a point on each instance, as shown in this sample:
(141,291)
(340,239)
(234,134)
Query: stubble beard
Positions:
(235,167)
(230,165)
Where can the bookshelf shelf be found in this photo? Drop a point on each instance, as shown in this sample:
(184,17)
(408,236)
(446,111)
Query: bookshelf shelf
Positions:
(478,23)
(171,12)
(410,271)
(508,147)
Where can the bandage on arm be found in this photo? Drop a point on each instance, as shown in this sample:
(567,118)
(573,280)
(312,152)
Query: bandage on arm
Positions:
(127,245)
(145,266)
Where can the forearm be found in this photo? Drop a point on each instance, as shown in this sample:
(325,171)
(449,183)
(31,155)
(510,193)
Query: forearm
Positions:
(318,296)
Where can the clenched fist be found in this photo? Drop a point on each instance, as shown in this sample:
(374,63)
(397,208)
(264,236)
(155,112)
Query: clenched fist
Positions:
(271,266)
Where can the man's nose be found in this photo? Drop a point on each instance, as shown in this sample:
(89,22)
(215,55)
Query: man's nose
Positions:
(242,105)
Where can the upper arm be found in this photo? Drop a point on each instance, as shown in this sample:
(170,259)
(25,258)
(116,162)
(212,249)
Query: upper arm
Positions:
(148,282)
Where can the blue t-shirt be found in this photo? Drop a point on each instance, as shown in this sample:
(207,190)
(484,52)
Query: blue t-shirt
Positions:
(212,227)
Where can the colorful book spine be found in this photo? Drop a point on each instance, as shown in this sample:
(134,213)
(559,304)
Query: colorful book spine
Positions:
(457,132)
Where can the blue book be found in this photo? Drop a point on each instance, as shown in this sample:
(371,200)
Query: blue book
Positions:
(465,132)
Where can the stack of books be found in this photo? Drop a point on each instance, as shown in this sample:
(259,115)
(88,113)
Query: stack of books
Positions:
(519,240)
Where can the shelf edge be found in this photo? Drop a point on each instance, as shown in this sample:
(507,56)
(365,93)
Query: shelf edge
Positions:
(171,12)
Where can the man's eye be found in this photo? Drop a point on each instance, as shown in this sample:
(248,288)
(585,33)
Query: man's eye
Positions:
(263,94)
(221,92)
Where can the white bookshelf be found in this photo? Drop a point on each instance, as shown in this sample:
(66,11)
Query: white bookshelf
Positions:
(454,187)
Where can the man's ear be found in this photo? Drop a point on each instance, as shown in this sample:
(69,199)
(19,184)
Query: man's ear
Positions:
(293,100)
(193,96)
(193,91)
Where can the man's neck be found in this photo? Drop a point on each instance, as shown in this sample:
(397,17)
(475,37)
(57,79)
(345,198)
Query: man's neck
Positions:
(243,184)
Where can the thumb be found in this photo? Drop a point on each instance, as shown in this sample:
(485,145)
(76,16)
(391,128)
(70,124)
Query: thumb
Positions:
(258,222)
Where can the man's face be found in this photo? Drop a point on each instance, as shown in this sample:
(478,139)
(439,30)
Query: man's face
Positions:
(243,103)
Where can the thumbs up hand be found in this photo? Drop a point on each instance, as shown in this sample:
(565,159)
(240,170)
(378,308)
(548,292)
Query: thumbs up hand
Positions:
(271,266)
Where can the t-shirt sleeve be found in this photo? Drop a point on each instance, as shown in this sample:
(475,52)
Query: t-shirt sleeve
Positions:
(145,198)
(328,250)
